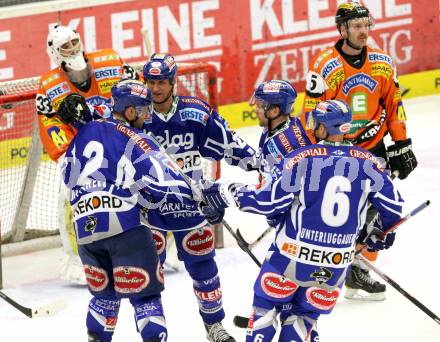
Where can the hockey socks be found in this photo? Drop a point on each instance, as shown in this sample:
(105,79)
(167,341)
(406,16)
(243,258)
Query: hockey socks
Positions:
(150,320)
(102,318)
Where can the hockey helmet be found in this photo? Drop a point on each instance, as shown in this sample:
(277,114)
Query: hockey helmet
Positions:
(276,92)
(352,10)
(64,48)
(130,93)
(160,67)
(335,115)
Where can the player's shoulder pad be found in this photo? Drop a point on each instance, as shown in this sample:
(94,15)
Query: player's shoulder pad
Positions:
(193,109)
(319,60)
(315,150)
(363,154)
(103,56)
(50,78)
(379,56)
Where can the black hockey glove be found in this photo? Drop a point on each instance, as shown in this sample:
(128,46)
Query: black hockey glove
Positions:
(401,158)
(74,109)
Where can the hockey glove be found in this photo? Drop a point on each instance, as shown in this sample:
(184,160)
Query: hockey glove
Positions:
(212,215)
(401,158)
(376,239)
(74,109)
(217,195)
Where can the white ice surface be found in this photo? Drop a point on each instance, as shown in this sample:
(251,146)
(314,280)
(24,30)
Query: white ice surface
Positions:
(413,262)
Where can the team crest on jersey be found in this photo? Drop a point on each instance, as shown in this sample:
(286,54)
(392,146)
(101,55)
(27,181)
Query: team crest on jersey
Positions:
(90,224)
(194,114)
(97,100)
(361,79)
(129,279)
(97,278)
(199,241)
(277,286)
(321,298)
(58,91)
(322,275)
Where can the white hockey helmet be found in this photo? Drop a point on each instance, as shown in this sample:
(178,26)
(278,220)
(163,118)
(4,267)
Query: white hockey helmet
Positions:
(64,48)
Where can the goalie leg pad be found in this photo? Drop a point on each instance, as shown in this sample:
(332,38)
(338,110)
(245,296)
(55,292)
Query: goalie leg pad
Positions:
(150,319)
(102,317)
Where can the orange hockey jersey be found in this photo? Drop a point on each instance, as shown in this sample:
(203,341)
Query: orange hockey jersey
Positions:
(371,89)
(107,68)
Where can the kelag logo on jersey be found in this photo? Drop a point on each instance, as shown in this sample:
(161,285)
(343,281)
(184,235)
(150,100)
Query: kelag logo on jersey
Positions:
(108,72)
(274,151)
(359,80)
(58,90)
(194,114)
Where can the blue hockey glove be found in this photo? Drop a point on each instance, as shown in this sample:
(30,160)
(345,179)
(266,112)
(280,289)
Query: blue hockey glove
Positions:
(217,195)
(376,239)
(212,215)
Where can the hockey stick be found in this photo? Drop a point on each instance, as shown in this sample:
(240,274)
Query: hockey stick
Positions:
(46,310)
(396,225)
(398,288)
(253,244)
(242,322)
(146,38)
(240,241)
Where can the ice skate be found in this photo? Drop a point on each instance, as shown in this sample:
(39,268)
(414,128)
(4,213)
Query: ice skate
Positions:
(360,286)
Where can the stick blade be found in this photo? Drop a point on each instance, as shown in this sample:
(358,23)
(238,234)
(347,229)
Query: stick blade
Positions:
(50,309)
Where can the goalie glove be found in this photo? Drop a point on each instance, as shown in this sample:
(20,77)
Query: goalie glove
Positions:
(401,158)
(74,109)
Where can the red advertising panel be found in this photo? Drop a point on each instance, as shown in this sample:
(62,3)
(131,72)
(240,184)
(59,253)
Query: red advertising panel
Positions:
(247,40)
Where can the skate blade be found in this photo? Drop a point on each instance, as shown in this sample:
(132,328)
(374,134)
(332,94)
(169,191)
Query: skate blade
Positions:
(361,295)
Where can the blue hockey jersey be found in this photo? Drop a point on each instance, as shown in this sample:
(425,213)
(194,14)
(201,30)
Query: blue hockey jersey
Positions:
(191,130)
(272,148)
(115,173)
(319,197)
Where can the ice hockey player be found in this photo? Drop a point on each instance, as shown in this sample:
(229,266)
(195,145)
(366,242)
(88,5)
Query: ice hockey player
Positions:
(318,195)
(188,128)
(366,78)
(91,75)
(282,133)
(115,173)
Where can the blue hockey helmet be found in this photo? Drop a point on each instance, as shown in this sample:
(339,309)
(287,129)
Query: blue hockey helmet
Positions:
(335,115)
(276,92)
(160,67)
(130,93)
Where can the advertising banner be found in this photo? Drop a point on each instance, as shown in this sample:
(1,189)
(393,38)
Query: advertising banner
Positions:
(247,40)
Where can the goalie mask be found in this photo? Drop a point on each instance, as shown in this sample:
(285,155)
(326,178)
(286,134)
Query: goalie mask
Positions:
(65,49)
